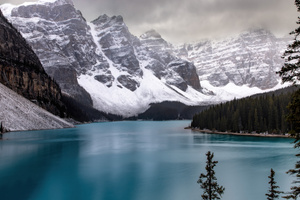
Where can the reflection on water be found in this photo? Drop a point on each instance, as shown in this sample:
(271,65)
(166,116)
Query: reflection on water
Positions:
(136,160)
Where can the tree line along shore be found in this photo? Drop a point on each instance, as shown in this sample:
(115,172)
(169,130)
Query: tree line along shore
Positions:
(259,115)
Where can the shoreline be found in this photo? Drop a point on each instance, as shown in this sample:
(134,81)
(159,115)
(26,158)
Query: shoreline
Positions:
(239,134)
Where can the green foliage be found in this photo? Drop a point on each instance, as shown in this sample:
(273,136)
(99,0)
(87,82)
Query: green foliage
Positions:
(264,113)
(273,192)
(208,181)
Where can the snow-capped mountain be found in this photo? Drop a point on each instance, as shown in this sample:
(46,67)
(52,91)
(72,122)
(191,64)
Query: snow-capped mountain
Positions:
(250,59)
(101,62)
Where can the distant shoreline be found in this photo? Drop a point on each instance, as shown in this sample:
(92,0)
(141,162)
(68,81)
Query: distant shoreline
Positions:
(239,134)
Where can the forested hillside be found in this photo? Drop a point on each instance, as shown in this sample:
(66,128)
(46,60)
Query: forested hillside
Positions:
(260,113)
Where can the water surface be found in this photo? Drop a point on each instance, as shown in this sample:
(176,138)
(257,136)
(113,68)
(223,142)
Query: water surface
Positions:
(137,161)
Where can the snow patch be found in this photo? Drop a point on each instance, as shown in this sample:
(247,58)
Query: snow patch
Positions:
(232,91)
(121,101)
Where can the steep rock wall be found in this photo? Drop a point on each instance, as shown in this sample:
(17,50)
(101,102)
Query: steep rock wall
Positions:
(21,70)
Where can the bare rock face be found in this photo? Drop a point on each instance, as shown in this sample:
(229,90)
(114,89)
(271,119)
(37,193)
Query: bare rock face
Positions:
(21,70)
(187,72)
(165,63)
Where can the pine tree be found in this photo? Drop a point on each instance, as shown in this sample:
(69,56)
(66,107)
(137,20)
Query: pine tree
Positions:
(290,71)
(294,116)
(208,181)
(294,119)
(273,192)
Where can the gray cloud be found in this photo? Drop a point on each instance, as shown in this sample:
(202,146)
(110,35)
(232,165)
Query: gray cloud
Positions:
(192,20)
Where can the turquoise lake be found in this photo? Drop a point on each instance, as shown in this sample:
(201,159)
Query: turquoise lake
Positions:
(137,160)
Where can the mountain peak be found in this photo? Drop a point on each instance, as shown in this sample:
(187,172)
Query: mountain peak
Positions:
(103,19)
(151,34)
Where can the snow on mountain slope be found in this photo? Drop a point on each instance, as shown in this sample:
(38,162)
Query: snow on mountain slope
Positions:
(124,102)
(230,91)
(19,114)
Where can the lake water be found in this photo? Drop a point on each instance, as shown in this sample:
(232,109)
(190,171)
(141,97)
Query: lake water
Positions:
(137,161)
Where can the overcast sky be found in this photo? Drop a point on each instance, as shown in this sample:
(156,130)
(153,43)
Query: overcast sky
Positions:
(192,20)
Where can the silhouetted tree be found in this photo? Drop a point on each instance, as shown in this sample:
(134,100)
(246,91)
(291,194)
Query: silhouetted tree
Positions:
(294,119)
(208,181)
(273,192)
(290,72)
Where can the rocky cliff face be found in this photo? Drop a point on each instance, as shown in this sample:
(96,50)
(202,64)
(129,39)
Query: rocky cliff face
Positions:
(251,59)
(21,70)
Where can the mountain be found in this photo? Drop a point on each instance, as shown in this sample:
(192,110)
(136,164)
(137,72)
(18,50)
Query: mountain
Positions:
(101,63)
(250,59)
(160,51)
(22,75)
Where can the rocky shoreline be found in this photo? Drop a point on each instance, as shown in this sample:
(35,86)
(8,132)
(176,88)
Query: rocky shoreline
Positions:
(239,134)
